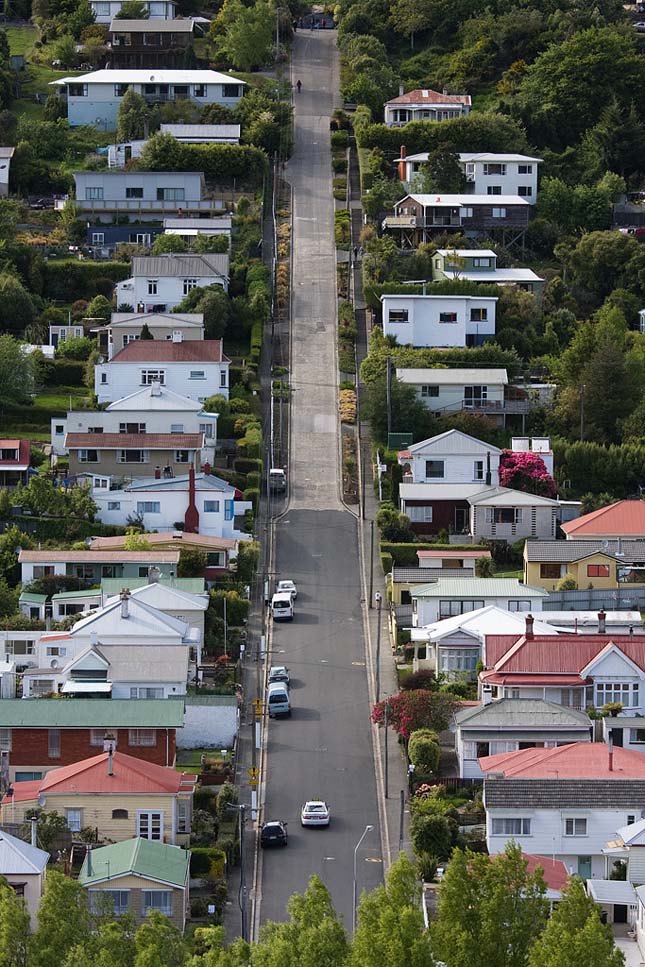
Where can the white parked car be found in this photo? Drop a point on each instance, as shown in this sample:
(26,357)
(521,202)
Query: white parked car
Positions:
(315,812)
(640,26)
(287,587)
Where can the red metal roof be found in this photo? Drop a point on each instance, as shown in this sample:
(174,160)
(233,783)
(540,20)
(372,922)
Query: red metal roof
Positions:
(129,776)
(168,537)
(24,452)
(626,518)
(167,351)
(556,654)
(555,681)
(555,873)
(430,97)
(138,441)
(579,760)
(145,556)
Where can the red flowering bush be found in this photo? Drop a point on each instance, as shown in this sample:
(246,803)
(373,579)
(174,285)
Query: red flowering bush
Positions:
(418,709)
(526,471)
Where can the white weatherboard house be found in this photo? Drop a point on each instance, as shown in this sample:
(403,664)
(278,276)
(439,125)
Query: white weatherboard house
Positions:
(106,10)
(438,320)
(452,390)
(23,867)
(480,265)
(95,98)
(142,195)
(453,456)
(159,282)
(179,604)
(119,154)
(196,369)
(125,327)
(487,173)
(425,105)
(452,596)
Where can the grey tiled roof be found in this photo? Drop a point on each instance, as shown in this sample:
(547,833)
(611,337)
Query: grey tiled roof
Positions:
(522,712)
(565,793)
(567,551)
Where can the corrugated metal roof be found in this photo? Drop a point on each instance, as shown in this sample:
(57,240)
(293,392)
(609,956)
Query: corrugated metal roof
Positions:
(557,793)
(155,26)
(612,891)
(447,200)
(111,586)
(64,595)
(427,96)
(579,760)
(561,654)
(95,557)
(524,712)
(20,858)
(205,131)
(450,377)
(479,588)
(90,713)
(177,538)
(152,75)
(167,351)
(146,858)
(625,518)
(568,551)
(438,491)
(181,266)
(503,497)
(30,598)
(140,441)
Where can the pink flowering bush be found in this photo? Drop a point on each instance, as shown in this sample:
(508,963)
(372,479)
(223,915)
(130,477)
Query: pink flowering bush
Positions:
(417,709)
(526,471)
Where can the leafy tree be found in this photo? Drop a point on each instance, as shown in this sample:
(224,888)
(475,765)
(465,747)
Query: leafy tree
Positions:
(161,152)
(491,910)
(390,928)
(443,172)
(99,308)
(75,347)
(610,391)
(248,37)
(132,117)
(158,943)
(601,262)
(211,243)
(575,934)
(409,414)
(133,10)
(527,472)
(393,525)
(574,209)
(431,834)
(484,567)
(12,538)
(214,303)
(65,51)
(14,928)
(80,19)
(8,606)
(136,541)
(164,244)
(616,142)
(265,132)
(145,333)
(415,709)
(16,305)
(192,563)
(410,17)
(49,828)
(63,920)
(567,583)
(110,945)
(16,373)
(424,751)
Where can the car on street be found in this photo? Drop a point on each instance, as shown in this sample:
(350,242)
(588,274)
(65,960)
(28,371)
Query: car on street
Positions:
(640,26)
(315,812)
(282,606)
(273,833)
(287,587)
(279,673)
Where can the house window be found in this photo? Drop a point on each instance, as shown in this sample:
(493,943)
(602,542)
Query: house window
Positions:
(149,376)
(189,285)
(479,263)
(447,317)
(53,743)
(524,191)
(466,213)
(146,693)
(511,826)
(435,469)
(111,902)
(119,814)
(152,286)
(119,91)
(207,430)
(200,90)
(398,315)
(85,571)
(197,374)
(635,735)
(503,515)
(98,238)
(88,456)
(211,506)
(475,395)
(132,456)
(182,456)
(55,651)
(494,190)
(114,505)
(132,427)
(170,194)
(624,693)
(525,169)
(77,90)
(230,90)
(575,827)
(97,736)
(222,378)
(519,604)
(158,901)
(420,515)
(40,687)
(22,647)
(494,169)
(104,378)
(5,740)
(176,427)
(478,470)
(183,813)
(597,570)
(150,825)
(148,507)
(458,659)
(552,572)
(74,819)
(499,213)
(142,737)
(478,315)
(437,263)
(94,194)
(428,392)
(28,776)
(134,192)
(451,607)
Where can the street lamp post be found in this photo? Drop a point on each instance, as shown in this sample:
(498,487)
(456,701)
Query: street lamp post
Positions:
(379,601)
(367,830)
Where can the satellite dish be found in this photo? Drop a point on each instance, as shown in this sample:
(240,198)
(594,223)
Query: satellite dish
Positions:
(605,544)
(41,800)
(53,663)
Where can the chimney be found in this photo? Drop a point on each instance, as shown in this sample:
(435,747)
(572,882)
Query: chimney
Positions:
(207,469)
(402,163)
(487,695)
(88,854)
(488,473)
(125,599)
(191,517)
(110,763)
(602,622)
(177,335)
(34,834)
(445,92)
(528,634)
(153,575)
(155,388)
(610,749)
(401,90)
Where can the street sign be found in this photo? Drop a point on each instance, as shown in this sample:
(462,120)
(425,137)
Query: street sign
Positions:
(253,783)
(257,703)
(254,772)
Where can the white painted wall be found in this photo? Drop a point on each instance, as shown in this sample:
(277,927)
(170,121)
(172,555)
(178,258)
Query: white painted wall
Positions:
(113,381)
(106,10)
(210,726)
(459,468)
(135,291)
(428,608)
(424,327)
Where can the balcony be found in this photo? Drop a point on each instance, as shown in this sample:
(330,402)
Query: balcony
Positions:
(165,98)
(496,406)
(420,221)
(144,205)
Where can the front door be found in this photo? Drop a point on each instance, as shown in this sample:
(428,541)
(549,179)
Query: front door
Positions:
(462,520)
(620,913)
(617,736)
(584,867)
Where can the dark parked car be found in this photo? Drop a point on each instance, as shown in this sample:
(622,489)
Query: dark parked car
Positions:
(273,834)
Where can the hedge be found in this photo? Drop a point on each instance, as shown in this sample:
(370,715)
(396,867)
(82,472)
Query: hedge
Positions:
(253,494)
(228,840)
(219,162)
(475,132)
(618,469)
(386,562)
(405,555)
(490,355)
(64,529)
(256,343)
(71,279)
(248,465)
(63,372)
(207,862)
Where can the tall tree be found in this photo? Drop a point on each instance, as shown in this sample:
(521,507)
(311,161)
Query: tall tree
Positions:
(133,10)
(14,928)
(443,172)
(248,37)
(158,943)
(132,116)
(16,373)
(63,921)
(491,910)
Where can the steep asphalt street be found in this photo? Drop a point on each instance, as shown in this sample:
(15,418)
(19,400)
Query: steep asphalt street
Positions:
(325,749)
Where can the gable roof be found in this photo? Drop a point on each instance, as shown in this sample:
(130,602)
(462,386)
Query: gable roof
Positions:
(146,858)
(439,200)
(203,481)
(91,713)
(139,441)
(155,397)
(632,834)
(505,497)
(485,621)
(112,586)
(161,75)
(478,588)
(168,598)
(24,450)
(625,518)
(427,96)
(142,620)
(555,873)
(175,26)
(554,654)
(453,440)
(475,552)
(578,760)
(130,776)
(204,131)
(160,320)
(178,538)
(450,377)
(558,793)
(209,265)
(525,712)
(166,351)
(567,552)
(20,858)
(55,556)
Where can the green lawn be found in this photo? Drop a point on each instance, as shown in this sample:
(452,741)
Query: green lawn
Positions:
(22,39)
(33,422)
(508,574)
(35,78)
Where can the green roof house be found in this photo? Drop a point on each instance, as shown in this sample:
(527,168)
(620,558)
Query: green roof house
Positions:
(137,876)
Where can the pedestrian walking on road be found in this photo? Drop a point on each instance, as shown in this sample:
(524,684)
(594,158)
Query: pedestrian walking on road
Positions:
(299,86)
(356,253)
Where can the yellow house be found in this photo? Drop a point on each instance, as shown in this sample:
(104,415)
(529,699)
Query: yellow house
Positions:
(117,795)
(592,564)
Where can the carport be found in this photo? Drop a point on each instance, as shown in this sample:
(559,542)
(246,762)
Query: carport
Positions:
(616,899)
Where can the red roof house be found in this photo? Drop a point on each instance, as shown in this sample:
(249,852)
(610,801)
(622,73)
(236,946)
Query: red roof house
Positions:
(579,760)
(625,518)
(14,462)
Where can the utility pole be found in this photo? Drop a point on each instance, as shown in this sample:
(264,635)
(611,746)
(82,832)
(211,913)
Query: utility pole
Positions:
(582,411)
(388,381)
(385,742)
(379,602)
(371,560)
(224,600)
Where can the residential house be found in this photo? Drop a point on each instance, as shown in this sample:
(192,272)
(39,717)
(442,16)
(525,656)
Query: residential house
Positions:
(205,503)
(566,801)
(104,240)
(188,229)
(425,105)
(454,596)
(486,173)
(480,265)
(438,320)
(452,647)
(14,462)
(616,901)
(22,867)
(592,563)
(220,551)
(95,98)
(117,794)
(32,605)
(138,876)
(106,10)
(182,605)
(143,196)
(581,671)
(508,515)
(6,154)
(626,732)
(66,603)
(624,520)
(419,217)
(146,44)
(431,567)
(159,283)
(123,453)
(127,649)
(39,734)
(602,622)
(123,151)
(154,409)
(58,334)
(91,566)
(484,391)
(196,369)
(513,724)
(453,457)
(125,327)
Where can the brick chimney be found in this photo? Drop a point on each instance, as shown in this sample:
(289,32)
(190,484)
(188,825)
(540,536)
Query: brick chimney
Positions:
(602,622)
(528,634)
(125,603)
(610,749)
(402,156)
(191,517)
(207,468)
